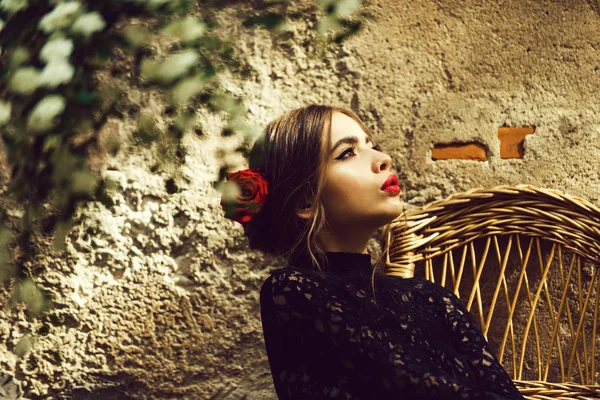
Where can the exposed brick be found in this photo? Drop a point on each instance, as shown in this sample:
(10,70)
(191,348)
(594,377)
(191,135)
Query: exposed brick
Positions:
(511,141)
(459,151)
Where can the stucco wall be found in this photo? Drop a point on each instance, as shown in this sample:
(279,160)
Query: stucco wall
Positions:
(159,299)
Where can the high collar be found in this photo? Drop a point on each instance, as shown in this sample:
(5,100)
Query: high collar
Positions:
(348,264)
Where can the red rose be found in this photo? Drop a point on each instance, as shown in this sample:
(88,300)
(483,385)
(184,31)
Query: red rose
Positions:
(253,190)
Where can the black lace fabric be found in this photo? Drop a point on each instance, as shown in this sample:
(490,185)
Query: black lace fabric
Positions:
(326,338)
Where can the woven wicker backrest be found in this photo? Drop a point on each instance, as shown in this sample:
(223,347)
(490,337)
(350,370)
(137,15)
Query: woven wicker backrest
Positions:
(524,262)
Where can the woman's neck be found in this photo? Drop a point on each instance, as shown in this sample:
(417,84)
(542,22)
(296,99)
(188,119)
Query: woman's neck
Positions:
(354,243)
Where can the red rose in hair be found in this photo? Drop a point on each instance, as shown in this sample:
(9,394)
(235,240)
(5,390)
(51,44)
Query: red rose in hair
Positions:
(244,194)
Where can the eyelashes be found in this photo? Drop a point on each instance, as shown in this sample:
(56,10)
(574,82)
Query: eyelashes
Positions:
(352,149)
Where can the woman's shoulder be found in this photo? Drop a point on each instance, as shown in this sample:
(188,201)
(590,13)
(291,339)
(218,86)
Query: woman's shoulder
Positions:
(297,275)
(298,288)
(420,285)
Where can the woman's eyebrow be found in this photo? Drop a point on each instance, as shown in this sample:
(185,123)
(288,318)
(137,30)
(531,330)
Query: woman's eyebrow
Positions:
(348,140)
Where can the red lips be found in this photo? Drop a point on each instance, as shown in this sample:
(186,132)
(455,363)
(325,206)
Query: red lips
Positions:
(391,180)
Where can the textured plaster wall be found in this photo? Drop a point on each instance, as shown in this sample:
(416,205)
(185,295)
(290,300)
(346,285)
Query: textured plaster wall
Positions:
(159,298)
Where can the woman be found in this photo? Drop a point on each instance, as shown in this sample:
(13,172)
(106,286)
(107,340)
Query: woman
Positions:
(334,325)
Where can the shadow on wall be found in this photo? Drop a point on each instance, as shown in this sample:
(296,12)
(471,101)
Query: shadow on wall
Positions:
(113,393)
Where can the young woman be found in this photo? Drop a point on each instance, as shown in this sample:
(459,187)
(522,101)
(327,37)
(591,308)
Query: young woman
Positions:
(335,326)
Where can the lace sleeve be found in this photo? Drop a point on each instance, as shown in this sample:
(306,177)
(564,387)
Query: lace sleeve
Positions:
(467,339)
(311,324)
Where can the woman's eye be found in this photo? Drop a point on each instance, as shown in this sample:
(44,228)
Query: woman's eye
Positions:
(342,156)
(351,149)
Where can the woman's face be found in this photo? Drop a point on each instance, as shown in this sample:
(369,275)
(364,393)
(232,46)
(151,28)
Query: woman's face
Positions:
(354,203)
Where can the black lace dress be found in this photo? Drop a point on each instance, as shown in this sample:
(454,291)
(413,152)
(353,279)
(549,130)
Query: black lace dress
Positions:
(327,339)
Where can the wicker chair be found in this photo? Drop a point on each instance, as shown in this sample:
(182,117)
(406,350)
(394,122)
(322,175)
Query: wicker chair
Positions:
(537,298)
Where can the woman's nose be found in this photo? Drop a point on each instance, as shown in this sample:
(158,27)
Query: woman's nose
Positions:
(386,163)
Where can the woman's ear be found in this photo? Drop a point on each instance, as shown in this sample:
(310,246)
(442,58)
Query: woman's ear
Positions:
(306,212)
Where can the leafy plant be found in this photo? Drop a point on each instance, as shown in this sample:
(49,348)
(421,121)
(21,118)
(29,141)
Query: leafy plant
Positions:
(52,109)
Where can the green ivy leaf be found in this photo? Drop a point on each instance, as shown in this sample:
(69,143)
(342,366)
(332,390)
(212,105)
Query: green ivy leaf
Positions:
(8,270)
(13,6)
(43,116)
(147,131)
(350,28)
(61,17)
(22,348)
(187,88)
(64,163)
(169,70)
(28,292)
(83,182)
(89,23)
(327,24)
(185,121)
(5,109)
(340,8)
(62,229)
(136,36)
(25,80)
(51,143)
(20,55)
(6,236)
(188,29)
(227,103)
